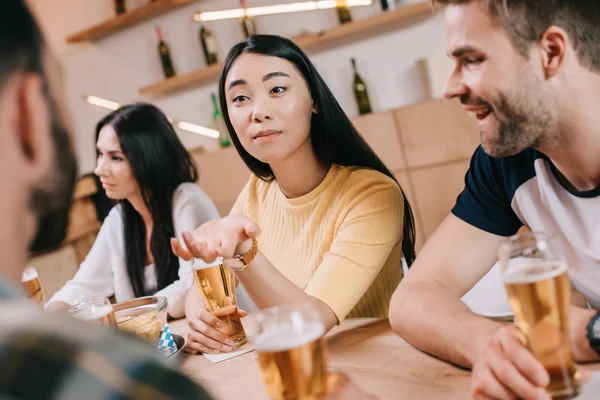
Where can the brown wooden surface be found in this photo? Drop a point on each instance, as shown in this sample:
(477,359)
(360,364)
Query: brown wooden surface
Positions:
(436,132)
(127,19)
(223,175)
(363,27)
(313,42)
(436,190)
(85,187)
(195,77)
(379,130)
(366,349)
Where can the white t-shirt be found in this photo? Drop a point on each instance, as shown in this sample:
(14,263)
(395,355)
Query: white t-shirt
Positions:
(104,270)
(503,194)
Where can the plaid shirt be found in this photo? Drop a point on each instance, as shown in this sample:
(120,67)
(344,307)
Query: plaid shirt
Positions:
(51,356)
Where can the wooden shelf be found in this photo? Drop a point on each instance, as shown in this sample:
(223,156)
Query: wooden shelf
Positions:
(360,28)
(127,20)
(196,77)
(313,42)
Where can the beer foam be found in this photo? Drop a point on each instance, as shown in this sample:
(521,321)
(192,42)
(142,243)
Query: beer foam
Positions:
(94,313)
(529,271)
(286,337)
(29,274)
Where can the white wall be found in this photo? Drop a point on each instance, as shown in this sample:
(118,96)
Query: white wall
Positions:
(118,65)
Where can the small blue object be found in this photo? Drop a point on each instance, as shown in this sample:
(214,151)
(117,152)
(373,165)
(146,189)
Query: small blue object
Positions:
(166,342)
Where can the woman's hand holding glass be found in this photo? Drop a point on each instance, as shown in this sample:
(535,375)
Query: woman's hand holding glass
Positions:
(204,335)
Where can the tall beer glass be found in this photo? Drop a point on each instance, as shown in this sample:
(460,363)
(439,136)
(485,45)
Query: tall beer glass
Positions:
(291,351)
(217,284)
(97,310)
(539,292)
(32,286)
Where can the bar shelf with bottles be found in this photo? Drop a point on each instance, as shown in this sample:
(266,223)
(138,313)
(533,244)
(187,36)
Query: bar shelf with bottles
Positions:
(126,19)
(348,31)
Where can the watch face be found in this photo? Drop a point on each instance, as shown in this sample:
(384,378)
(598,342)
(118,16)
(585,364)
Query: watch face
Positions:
(234,264)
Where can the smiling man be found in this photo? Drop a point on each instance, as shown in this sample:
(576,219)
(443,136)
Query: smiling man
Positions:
(529,72)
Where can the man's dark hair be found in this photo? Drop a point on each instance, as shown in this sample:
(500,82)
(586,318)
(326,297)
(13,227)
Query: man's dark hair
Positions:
(21,42)
(526,21)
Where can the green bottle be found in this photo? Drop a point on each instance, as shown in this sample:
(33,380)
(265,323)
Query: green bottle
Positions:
(343,11)
(360,92)
(219,123)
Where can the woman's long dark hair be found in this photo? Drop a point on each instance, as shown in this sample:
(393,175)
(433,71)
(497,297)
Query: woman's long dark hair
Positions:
(334,139)
(159,163)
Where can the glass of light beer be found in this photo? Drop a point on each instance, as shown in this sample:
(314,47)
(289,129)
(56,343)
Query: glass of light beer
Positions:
(97,310)
(217,284)
(538,287)
(32,286)
(291,351)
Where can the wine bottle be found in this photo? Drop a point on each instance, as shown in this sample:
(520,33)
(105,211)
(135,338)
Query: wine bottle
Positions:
(120,6)
(209,46)
(219,123)
(343,11)
(360,92)
(389,5)
(165,55)
(248,24)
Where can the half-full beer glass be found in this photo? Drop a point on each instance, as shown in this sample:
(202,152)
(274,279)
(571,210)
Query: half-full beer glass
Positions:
(97,310)
(539,292)
(32,286)
(217,284)
(291,351)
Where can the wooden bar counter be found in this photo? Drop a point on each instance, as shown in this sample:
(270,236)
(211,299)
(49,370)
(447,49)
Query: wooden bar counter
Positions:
(368,351)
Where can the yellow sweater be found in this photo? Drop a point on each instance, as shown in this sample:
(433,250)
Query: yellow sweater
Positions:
(340,243)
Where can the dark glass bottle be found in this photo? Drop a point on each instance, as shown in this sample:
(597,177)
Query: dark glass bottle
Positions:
(209,46)
(389,5)
(343,11)
(360,92)
(248,24)
(165,55)
(120,6)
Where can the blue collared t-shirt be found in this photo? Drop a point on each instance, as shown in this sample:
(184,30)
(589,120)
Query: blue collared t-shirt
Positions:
(503,194)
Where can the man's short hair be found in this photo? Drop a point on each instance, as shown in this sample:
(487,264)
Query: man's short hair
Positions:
(21,42)
(526,21)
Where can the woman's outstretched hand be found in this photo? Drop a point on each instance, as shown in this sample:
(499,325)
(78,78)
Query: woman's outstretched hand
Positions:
(223,237)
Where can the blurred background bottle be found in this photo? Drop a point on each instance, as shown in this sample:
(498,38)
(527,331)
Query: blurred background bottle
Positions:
(219,123)
(343,11)
(248,24)
(360,91)
(209,45)
(389,5)
(120,6)
(165,55)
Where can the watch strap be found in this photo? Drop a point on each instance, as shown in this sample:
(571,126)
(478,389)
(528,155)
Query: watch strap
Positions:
(593,332)
(249,256)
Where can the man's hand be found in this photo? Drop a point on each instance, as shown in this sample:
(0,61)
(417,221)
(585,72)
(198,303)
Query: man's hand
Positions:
(579,318)
(505,369)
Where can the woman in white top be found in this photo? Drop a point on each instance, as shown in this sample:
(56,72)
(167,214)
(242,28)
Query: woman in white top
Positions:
(145,168)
